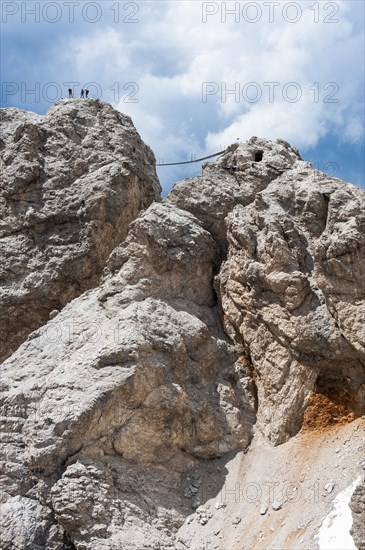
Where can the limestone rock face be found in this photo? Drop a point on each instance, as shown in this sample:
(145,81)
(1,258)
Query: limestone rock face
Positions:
(137,384)
(71,182)
(231,312)
(234,179)
(293,289)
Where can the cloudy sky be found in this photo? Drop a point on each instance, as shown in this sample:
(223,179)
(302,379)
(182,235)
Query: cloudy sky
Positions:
(196,76)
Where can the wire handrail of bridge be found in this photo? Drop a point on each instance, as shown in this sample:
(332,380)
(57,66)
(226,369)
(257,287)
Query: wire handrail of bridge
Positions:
(191,161)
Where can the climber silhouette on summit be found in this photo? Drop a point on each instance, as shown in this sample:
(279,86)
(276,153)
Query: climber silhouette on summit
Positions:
(70,94)
(82,93)
(86,93)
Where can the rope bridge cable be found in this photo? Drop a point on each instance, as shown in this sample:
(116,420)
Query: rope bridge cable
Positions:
(191,161)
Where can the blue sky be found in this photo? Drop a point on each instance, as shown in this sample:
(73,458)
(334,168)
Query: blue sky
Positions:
(195,75)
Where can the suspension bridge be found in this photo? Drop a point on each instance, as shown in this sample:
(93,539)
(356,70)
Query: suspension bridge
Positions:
(190,161)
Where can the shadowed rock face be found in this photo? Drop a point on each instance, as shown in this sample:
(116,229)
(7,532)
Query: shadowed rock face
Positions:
(72,181)
(236,300)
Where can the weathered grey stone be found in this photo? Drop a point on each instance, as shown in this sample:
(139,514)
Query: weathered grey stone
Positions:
(238,297)
(277,505)
(329,487)
(263,509)
(136,376)
(293,293)
(72,181)
(234,179)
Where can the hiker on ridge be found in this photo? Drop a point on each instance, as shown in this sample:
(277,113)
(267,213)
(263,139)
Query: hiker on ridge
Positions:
(70,94)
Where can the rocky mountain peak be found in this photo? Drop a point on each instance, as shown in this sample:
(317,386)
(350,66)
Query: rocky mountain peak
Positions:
(72,181)
(160,356)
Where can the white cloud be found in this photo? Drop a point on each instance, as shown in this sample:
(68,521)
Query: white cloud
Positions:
(171,53)
(297,123)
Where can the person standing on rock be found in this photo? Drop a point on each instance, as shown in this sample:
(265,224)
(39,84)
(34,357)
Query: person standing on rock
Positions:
(70,94)
(82,93)
(87,93)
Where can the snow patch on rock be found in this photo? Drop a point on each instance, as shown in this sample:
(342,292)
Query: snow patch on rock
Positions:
(334,532)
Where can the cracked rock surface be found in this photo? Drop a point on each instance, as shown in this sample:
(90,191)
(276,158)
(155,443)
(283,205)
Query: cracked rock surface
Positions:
(227,319)
(71,182)
(138,383)
(293,290)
